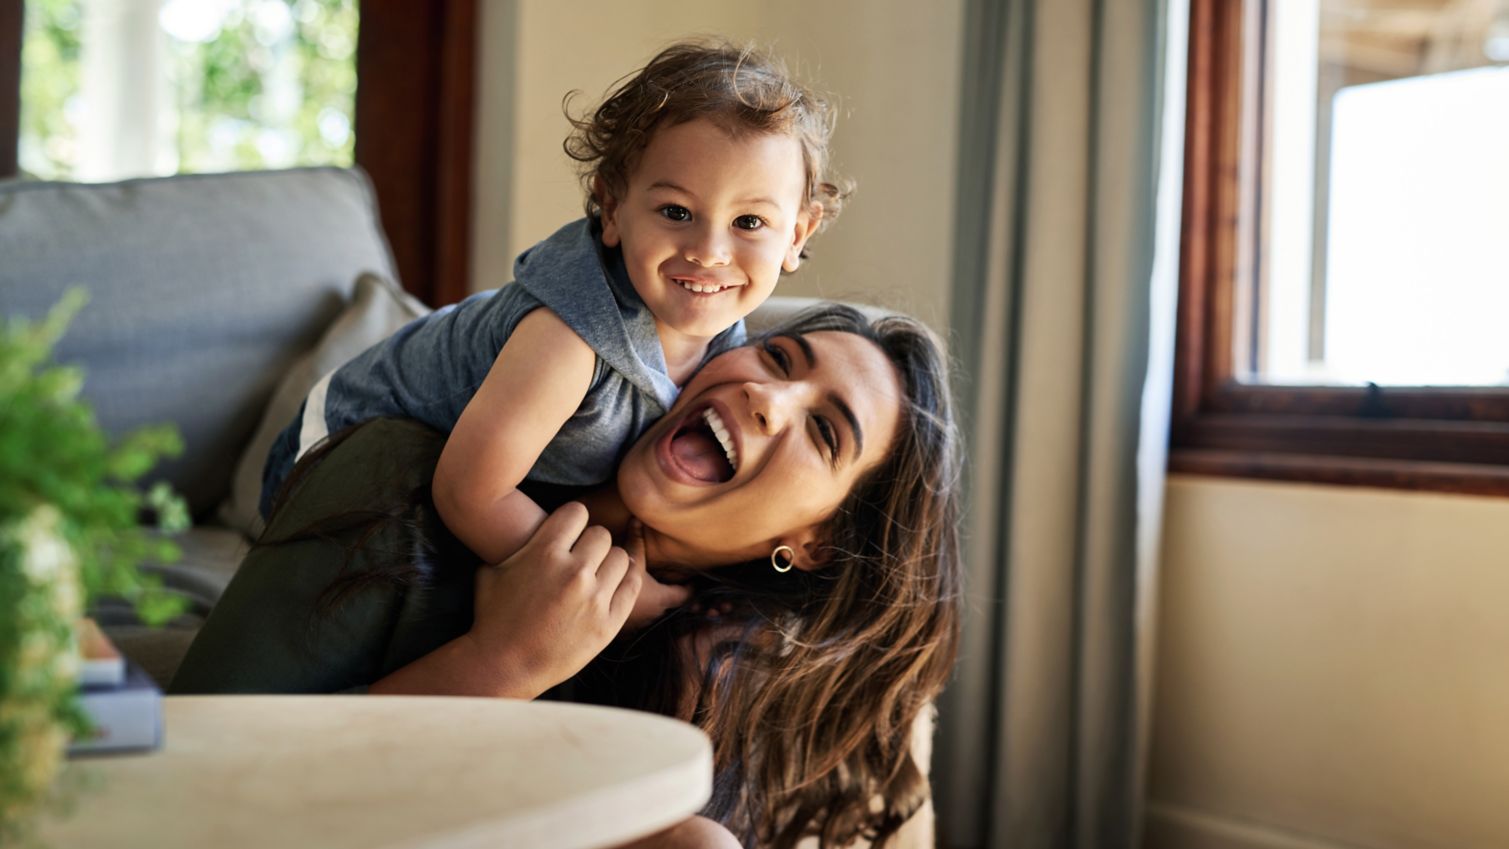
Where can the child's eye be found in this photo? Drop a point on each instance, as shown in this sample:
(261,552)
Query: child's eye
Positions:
(782,361)
(676,213)
(749,222)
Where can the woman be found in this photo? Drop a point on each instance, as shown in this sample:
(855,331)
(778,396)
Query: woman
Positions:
(825,474)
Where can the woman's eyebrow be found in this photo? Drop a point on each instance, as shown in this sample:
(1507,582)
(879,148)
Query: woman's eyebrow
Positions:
(853,420)
(805,346)
(834,398)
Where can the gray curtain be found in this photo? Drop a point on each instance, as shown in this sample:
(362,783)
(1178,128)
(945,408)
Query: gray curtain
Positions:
(1063,314)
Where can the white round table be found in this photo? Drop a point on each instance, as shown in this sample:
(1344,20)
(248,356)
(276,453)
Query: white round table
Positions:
(389,771)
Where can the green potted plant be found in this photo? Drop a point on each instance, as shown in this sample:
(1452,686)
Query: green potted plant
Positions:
(69,533)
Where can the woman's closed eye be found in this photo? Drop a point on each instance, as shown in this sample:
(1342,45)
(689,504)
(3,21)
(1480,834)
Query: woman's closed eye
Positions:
(779,357)
(675,212)
(824,434)
(827,438)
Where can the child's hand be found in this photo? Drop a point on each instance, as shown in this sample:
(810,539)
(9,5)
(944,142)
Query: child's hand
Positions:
(655,598)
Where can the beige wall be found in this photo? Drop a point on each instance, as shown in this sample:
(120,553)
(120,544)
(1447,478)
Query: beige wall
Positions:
(1333,669)
(893,64)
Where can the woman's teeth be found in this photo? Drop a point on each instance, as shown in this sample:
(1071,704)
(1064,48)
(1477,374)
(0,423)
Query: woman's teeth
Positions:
(715,422)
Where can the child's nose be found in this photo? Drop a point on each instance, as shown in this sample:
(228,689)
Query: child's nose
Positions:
(708,247)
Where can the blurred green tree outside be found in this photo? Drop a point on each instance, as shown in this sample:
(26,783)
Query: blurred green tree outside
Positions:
(255,83)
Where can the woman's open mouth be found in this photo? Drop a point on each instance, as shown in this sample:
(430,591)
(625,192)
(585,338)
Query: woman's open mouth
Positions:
(703,448)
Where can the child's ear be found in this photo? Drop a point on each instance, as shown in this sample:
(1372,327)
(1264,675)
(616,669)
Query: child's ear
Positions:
(806,225)
(609,205)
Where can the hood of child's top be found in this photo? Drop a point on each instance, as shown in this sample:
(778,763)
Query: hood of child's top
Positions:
(572,274)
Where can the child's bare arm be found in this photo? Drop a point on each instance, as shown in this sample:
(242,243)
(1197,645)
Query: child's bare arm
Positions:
(536,383)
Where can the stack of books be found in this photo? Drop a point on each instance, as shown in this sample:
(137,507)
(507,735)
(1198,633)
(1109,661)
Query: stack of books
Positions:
(122,702)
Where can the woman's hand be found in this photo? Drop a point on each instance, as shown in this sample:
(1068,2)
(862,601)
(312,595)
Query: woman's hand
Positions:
(655,598)
(544,613)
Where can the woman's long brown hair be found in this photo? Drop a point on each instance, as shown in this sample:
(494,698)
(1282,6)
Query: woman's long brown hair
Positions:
(811,702)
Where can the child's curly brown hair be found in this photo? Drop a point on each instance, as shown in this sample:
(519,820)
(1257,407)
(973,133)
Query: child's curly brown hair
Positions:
(741,89)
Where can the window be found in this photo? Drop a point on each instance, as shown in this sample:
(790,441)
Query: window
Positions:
(1345,268)
(140,87)
(398,101)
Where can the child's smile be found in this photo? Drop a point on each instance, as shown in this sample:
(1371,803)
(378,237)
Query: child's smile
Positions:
(707,223)
(704,284)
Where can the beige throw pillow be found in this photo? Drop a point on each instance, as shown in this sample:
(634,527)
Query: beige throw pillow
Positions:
(378,307)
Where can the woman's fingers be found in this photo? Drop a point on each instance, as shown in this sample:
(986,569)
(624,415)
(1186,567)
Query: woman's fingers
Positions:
(626,595)
(547,610)
(634,540)
(562,528)
(592,546)
(625,589)
(655,598)
(610,572)
(558,601)
(650,597)
(566,533)
(633,549)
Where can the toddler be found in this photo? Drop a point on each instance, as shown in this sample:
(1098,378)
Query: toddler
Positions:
(705,175)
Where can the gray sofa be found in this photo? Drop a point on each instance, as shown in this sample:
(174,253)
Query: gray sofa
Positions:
(203,292)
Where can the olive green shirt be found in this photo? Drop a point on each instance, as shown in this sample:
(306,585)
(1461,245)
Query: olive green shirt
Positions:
(292,619)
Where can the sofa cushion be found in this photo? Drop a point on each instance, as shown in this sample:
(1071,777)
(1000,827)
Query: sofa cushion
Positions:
(378,307)
(203,290)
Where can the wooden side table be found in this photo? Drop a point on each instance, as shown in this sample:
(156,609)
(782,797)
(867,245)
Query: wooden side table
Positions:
(387,771)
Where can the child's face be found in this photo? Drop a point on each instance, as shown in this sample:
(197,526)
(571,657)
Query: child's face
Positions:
(708,221)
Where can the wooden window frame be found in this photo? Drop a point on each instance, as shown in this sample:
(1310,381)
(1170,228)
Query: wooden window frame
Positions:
(415,108)
(1419,438)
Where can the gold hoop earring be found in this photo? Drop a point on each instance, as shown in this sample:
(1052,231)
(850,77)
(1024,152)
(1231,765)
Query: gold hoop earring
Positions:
(783,562)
